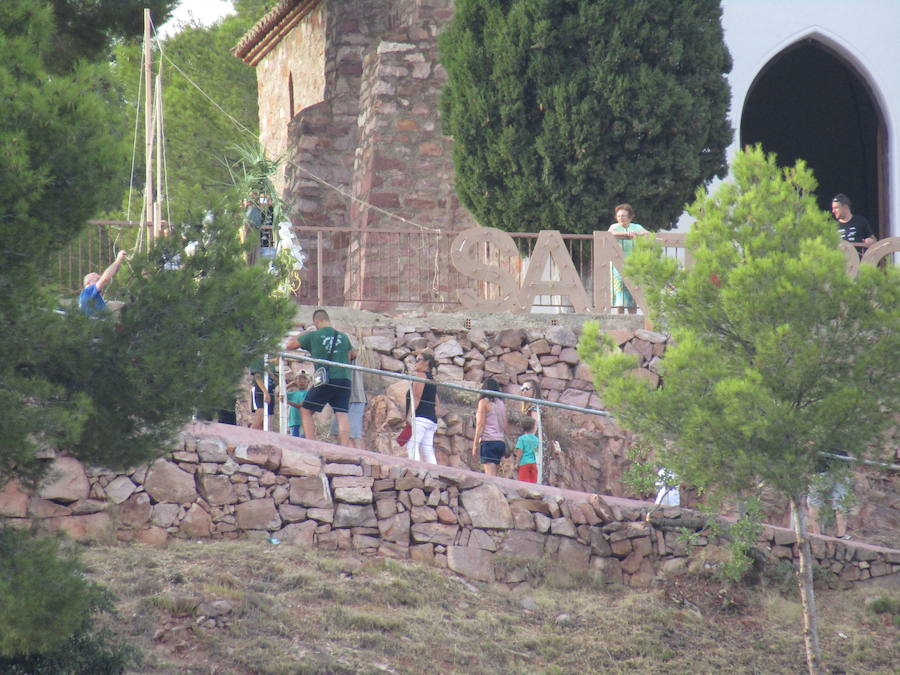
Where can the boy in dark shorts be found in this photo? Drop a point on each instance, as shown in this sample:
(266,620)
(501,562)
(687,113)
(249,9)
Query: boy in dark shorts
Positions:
(327,343)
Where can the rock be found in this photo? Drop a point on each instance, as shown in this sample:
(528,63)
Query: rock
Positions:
(435,533)
(93,527)
(44,508)
(353,495)
(152,536)
(447,350)
(167,483)
(523,544)
(379,343)
(164,515)
(473,563)
(570,356)
(134,512)
(351,515)
(217,490)
(342,469)
(212,450)
(575,397)
(563,527)
(257,514)
(13,500)
(650,336)
(66,481)
(291,514)
(313,491)
(561,335)
(609,570)
(511,338)
(296,463)
(487,507)
(267,456)
(196,522)
(120,489)
(482,539)
(515,363)
(447,372)
(298,534)
(396,528)
(573,554)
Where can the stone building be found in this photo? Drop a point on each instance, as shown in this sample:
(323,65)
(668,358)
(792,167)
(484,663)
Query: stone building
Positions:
(348,97)
(348,93)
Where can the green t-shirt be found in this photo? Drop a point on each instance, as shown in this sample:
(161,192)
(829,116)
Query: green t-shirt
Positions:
(318,344)
(528,444)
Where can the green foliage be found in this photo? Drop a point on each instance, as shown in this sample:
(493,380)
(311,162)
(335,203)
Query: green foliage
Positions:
(201,139)
(46,625)
(86,30)
(560,110)
(778,353)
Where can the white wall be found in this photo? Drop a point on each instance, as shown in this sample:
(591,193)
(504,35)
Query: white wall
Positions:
(865,32)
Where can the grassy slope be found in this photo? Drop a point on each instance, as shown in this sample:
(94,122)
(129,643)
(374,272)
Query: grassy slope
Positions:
(296,611)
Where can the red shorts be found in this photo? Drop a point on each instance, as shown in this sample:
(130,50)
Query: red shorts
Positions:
(528,473)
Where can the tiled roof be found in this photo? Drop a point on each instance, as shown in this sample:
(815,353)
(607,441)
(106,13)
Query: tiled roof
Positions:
(269,30)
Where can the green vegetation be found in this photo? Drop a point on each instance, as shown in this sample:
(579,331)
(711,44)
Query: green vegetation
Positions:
(561,110)
(115,389)
(778,353)
(307,611)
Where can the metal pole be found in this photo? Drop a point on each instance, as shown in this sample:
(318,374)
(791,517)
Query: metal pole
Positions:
(266,385)
(282,401)
(450,385)
(319,271)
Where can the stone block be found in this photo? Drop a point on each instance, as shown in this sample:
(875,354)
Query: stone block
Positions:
(487,507)
(481,539)
(609,570)
(151,536)
(353,515)
(164,514)
(423,514)
(563,527)
(134,512)
(296,463)
(422,553)
(353,495)
(473,563)
(523,544)
(435,533)
(396,528)
(92,527)
(13,500)
(321,515)
(119,489)
(196,522)
(345,469)
(573,554)
(257,514)
(267,456)
(291,514)
(311,491)
(66,481)
(212,450)
(217,489)
(167,483)
(44,508)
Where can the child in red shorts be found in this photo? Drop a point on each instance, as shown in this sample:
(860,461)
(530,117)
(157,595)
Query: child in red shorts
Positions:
(526,452)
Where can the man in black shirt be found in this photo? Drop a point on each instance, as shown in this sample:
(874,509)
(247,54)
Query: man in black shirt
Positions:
(853,228)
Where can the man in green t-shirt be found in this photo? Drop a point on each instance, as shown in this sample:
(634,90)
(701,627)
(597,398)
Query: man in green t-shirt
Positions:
(327,343)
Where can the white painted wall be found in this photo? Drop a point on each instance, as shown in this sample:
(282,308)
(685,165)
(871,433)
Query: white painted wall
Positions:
(865,32)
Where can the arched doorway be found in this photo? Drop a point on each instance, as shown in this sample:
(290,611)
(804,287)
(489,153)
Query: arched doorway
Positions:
(810,103)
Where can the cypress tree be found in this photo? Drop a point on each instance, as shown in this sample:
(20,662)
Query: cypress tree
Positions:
(560,109)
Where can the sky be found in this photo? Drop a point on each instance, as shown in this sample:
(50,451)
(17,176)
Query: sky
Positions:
(203,11)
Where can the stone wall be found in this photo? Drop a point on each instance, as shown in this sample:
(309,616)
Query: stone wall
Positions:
(230,482)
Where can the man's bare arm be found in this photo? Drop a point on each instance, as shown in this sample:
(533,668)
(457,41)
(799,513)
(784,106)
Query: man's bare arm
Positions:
(110,271)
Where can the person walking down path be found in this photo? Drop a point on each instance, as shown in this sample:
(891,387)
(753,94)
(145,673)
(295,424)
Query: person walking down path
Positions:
(356,409)
(327,343)
(489,444)
(526,452)
(421,445)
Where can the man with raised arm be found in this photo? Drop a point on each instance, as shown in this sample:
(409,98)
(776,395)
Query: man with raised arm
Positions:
(91,299)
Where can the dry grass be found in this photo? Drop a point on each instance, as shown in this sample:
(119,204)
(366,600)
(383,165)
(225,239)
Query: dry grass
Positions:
(296,611)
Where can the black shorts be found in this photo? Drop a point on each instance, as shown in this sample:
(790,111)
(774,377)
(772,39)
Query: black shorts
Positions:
(492,451)
(258,398)
(336,393)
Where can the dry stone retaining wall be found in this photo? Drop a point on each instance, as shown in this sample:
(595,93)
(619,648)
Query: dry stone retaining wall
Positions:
(229,482)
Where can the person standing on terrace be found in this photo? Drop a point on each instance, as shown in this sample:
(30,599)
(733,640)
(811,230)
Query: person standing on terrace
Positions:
(625,232)
(489,444)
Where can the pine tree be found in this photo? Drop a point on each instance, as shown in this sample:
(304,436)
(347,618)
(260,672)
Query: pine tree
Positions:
(112,390)
(560,109)
(779,355)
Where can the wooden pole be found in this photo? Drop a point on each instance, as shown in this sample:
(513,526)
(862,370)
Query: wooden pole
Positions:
(157,211)
(148,125)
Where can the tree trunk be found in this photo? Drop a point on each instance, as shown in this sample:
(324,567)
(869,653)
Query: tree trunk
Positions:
(807,594)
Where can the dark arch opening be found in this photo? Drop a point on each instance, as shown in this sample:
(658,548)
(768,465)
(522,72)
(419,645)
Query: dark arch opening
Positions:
(810,103)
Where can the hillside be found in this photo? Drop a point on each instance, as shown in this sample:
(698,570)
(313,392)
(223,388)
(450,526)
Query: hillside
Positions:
(250,606)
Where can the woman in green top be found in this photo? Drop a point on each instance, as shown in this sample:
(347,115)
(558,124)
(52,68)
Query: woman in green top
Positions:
(624,231)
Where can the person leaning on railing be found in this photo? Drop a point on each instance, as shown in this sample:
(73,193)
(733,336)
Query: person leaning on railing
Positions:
(852,227)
